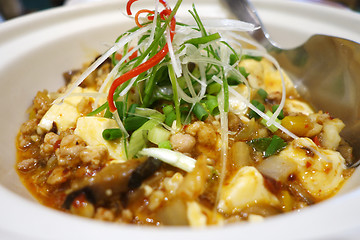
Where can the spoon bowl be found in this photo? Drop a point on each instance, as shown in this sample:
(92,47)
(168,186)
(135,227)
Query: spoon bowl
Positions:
(325,70)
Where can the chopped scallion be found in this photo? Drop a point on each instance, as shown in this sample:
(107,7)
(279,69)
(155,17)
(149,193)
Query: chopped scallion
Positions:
(112,134)
(258,105)
(256,58)
(165,144)
(212,105)
(203,40)
(281,115)
(262,93)
(200,112)
(213,88)
(135,122)
(243,72)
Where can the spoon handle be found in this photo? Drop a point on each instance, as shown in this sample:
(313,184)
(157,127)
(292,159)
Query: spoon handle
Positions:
(245,11)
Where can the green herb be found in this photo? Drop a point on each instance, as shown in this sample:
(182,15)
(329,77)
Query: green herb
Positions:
(132,108)
(275,146)
(260,144)
(149,88)
(175,96)
(268,146)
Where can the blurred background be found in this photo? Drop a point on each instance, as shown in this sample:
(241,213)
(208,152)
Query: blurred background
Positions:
(13,8)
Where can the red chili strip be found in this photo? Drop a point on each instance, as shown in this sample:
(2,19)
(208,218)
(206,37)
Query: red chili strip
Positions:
(142,67)
(140,12)
(130,2)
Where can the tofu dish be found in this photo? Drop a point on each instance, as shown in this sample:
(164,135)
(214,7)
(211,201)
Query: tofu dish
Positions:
(190,124)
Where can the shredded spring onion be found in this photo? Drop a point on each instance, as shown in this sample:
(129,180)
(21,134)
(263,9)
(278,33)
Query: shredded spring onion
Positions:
(117,46)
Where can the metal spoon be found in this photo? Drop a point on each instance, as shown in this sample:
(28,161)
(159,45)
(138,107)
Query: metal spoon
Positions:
(325,71)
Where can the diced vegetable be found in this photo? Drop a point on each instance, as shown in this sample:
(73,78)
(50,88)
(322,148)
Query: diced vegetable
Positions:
(298,125)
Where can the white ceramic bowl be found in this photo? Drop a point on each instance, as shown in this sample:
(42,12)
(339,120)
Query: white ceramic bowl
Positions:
(36,49)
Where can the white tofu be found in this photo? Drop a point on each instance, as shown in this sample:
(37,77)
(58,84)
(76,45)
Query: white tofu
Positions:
(331,133)
(90,130)
(296,106)
(245,188)
(256,70)
(272,80)
(64,115)
(320,176)
(195,215)
(235,104)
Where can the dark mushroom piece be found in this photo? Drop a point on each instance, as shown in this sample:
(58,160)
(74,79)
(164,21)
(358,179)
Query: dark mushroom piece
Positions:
(113,181)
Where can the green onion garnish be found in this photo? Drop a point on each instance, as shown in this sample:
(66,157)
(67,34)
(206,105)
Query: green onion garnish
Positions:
(200,112)
(112,134)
